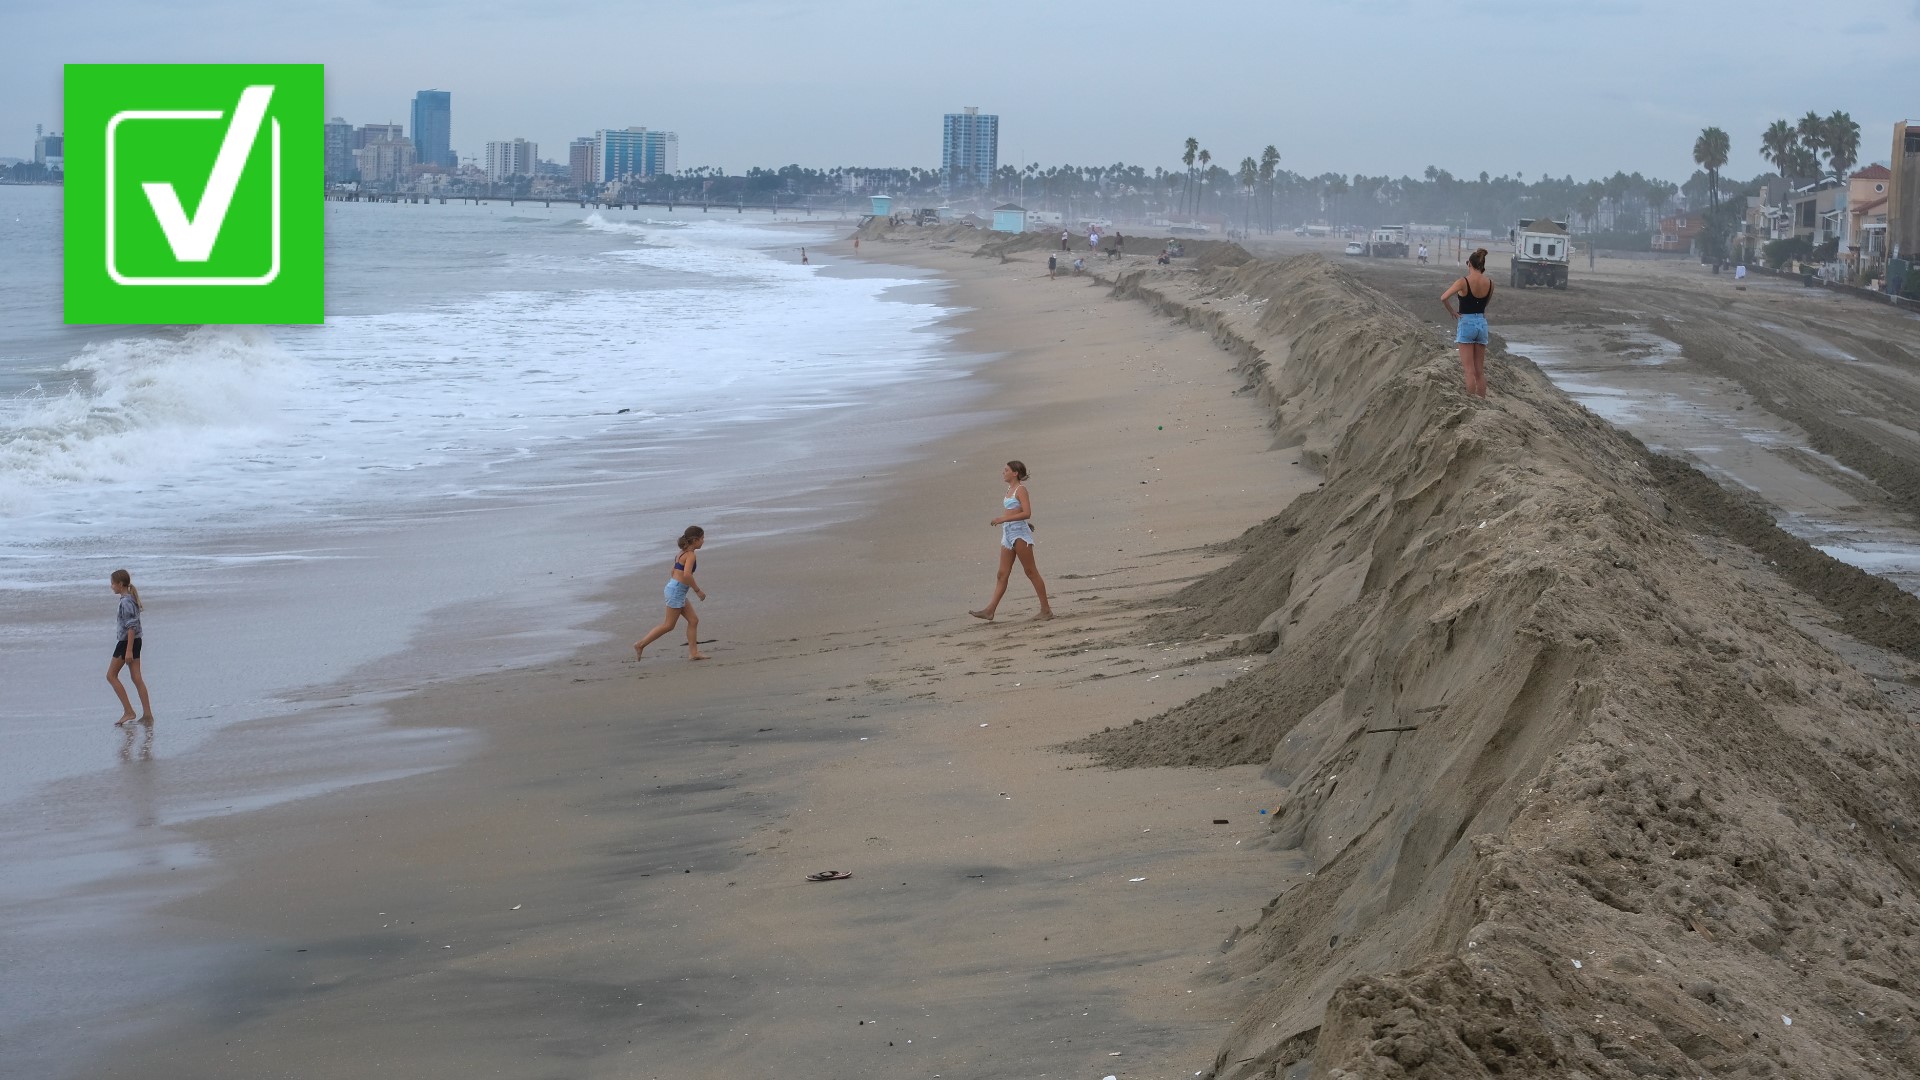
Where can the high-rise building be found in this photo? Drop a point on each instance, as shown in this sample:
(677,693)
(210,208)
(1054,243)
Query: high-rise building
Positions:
(337,162)
(49,150)
(433,128)
(385,162)
(969,149)
(368,134)
(583,162)
(635,153)
(514,157)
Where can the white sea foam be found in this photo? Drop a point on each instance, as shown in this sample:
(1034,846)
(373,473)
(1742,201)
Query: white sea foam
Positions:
(700,324)
(158,409)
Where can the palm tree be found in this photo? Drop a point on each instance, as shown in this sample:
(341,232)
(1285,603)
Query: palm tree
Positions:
(1249,175)
(1206,157)
(1843,142)
(1193,147)
(1269,163)
(1710,153)
(1812,129)
(1336,187)
(1777,142)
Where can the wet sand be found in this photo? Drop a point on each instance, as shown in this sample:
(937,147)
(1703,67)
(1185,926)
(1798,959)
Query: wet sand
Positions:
(614,885)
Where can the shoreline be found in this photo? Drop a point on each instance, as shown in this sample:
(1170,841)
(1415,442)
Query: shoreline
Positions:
(813,567)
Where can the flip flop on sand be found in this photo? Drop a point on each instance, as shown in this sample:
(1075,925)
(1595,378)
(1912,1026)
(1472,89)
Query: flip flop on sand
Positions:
(829,875)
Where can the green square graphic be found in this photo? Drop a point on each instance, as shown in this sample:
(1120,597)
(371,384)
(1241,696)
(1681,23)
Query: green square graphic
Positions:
(193,193)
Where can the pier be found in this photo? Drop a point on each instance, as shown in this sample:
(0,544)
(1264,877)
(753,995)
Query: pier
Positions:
(670,205)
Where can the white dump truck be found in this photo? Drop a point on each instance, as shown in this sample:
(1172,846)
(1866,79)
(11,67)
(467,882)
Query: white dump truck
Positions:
(1388,242)
(1541,252)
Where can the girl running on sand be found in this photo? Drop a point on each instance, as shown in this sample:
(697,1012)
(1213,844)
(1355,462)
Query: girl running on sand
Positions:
(1016,541)
(126,648)
(1474,291)
(679,583)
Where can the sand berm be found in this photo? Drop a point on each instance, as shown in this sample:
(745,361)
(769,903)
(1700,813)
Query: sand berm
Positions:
(1575,799)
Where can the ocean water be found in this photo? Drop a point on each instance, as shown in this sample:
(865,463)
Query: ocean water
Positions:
(508,410)
(506,407)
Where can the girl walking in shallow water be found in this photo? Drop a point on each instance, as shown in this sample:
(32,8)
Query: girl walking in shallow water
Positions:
(1016,542)
(126,649)
(679,583)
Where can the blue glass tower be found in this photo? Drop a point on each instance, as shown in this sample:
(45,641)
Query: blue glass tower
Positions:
(433,128)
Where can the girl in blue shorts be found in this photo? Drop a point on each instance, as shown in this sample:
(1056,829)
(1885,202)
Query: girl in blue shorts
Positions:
(1016,542)
(1474,291)
(679,583)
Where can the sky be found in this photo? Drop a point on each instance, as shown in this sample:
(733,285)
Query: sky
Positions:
(1384,86)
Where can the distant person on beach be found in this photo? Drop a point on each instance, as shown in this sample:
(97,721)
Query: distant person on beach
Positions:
(803,256)
(126,648)
(1016,542)
(679,583)
(1093,240)
(1474,291)
(1053,265)
(1423,254)
(1063,239)
(856,243)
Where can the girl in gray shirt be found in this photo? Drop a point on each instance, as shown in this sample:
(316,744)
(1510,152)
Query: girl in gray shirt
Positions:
(126,649)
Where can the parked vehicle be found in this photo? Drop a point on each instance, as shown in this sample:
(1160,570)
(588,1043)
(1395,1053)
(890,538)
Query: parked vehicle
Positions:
(1542,251)
(1388,242)
(1355,247)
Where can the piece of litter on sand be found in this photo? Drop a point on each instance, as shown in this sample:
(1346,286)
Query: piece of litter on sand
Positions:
(983,725)
(1482,525)
(1219,821)
(516,907)
(1787,1020)
(1150,678)
(1576,963)
(1137,879)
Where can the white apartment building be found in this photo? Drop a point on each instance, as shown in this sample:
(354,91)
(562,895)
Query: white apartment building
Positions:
(511,158)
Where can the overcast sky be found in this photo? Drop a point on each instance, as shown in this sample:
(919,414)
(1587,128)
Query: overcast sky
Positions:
(1384,86)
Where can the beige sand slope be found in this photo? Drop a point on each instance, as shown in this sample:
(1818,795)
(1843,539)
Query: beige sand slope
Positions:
(1578,801)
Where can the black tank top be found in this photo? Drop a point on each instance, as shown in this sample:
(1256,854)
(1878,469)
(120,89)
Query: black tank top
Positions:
(1471,304)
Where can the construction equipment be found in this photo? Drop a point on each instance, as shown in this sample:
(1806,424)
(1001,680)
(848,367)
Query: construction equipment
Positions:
(1541,253)
(1388,242)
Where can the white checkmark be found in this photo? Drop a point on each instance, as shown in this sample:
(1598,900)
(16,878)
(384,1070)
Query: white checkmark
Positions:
(192,238)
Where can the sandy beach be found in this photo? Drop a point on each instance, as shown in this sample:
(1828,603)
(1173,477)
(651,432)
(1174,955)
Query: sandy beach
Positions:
(615,884)
(1383,732)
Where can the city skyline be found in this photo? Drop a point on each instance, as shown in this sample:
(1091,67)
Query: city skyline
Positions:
(1617,96)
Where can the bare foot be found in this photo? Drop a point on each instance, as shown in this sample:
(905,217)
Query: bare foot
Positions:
(987,615)
(124,719)
(147,719)
(699,656)
(1042,617)
(637,655)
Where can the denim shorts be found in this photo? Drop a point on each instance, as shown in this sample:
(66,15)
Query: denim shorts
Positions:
(1472,331)
(676,594)
(1015,530)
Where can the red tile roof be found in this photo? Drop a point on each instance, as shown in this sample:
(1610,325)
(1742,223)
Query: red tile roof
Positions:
(1873,172)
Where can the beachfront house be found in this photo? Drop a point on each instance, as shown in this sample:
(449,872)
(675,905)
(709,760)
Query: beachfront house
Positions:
(1866,223)
(1677,232)
(1009,218)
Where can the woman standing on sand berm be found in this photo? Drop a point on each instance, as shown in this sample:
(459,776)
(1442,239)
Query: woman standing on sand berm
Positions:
(680,582)
(1016,541)
(1474,291)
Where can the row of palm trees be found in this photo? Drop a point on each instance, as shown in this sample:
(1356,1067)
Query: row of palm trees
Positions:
(1795,149)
